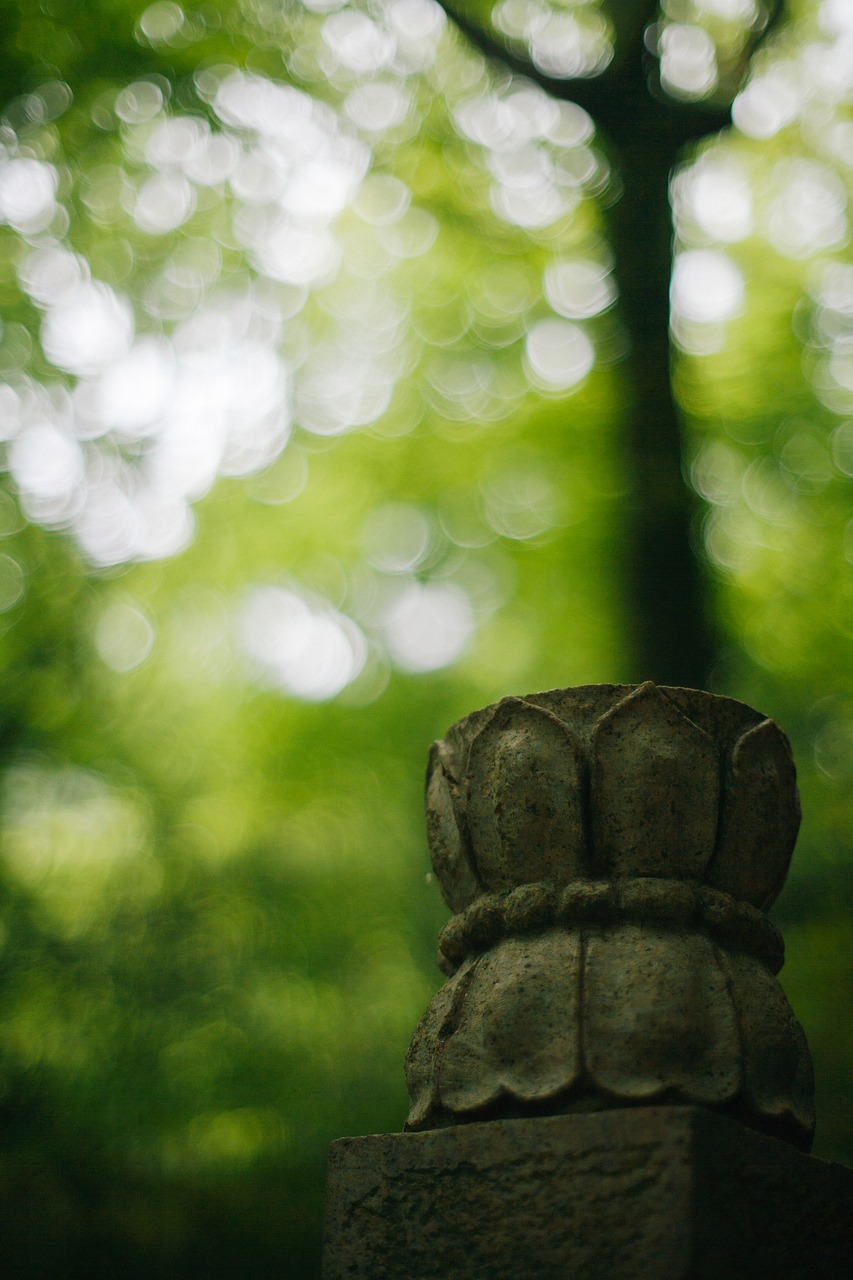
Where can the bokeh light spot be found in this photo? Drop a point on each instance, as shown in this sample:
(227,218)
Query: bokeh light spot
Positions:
(163,204)
(12,582)
(139,102)
(428,625)
(123,636)
(707,287)
(559,354)
(520,503)
(579,289)
(359,44)
(27,194)
(715,194)
(767,104)
(808,213)
(162,21)
(300,643)
(688,64)
(89,327)
(396,537)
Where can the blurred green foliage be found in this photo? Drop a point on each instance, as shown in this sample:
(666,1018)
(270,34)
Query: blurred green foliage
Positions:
(313,398)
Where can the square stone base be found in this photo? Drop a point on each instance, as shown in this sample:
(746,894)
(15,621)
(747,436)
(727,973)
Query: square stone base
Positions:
(652,1193)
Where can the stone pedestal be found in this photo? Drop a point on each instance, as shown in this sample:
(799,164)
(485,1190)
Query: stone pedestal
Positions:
(646,1193)
(612,1020)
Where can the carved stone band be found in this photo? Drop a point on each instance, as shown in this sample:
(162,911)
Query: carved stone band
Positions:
(530,908)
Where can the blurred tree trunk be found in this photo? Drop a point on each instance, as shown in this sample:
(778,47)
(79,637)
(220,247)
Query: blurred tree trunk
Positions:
(670,638)
(663,575)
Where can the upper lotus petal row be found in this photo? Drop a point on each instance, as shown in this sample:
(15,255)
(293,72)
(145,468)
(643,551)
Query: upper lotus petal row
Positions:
(651,794)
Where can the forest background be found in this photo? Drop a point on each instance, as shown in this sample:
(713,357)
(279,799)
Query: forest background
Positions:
(317,403)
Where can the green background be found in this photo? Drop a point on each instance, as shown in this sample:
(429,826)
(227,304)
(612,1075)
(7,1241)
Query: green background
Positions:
(218,923)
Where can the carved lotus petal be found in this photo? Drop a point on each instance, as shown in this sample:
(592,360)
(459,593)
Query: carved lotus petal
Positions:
(524,798)
(654,786)
(518,1027)
(658,1018)
(778,1078)
(447,847)
(422,1055)
(760,817)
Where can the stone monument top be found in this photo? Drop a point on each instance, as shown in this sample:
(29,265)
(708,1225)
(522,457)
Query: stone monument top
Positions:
(609,852)
(587,1085)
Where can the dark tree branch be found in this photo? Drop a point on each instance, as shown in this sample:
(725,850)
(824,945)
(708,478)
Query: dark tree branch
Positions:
(495,50)
(608,96)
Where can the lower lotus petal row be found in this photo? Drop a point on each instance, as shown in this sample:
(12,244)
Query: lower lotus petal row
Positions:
(630,1013)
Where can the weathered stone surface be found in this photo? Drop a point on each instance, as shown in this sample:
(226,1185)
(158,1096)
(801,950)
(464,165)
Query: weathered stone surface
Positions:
(651,1193)
(658,1016)
(518,1030)
(456,877)
(524,798)
(606,851)
(760,817)
(777,1070)
(422,1062)
(752,783)
(655,779)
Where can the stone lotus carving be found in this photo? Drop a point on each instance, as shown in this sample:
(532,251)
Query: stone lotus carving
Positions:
(608,853)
